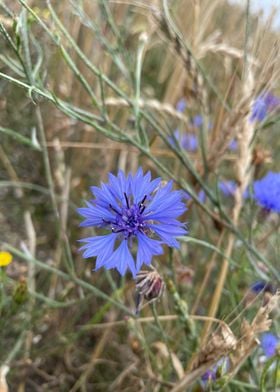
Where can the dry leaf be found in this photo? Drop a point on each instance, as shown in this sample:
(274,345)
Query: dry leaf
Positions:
(162,349)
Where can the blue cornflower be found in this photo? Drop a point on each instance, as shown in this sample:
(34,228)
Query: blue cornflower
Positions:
(187,141)
(190,142)
(272,101)
(181,105)
(258,287)
(197,121)
(269,344)
(233,145)
(202,196)
(259,109)
(262,105)
(216,371)
(227,187)
(136,210)
(209,375)
(267,191)
(262,286)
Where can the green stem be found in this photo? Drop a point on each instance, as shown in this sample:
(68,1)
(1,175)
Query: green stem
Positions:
(70,278)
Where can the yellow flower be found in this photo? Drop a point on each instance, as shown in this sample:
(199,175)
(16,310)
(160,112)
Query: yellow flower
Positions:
(5,259)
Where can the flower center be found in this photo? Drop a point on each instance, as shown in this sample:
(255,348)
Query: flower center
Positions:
(129,219)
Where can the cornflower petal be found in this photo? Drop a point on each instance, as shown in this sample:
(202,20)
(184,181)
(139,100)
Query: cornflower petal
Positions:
(197,121)
(118,185)
(263,104)
(142,186)
(216,371)
(181,105)
(147,247)
(233,145)
(160,197)
(190,142)
(165,205)
(100,246)
(267,192)
(121,259)
(104,196)
(187,141)
(227,187)
(167,233)
(95,216)
(269,344)
(259,109)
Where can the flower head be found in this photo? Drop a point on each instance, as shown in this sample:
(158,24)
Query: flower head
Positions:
(149,285)
(233,145)
(201,196)
(181,105)
(228,187)
(269,344)
(272,101)
(137,211)
(267,191)
(216,371)
(262,286)
(262,105)
(187,141)
(5,258)
(259,109)
(197,121)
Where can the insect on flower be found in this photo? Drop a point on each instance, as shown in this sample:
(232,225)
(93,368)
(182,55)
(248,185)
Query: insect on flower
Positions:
(140,214)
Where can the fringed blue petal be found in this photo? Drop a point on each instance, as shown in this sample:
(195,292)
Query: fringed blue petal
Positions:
(121,259)
(147,248)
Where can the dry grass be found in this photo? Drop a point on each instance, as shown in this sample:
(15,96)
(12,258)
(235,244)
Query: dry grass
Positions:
(63,326)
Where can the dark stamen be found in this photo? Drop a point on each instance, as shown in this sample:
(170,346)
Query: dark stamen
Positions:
(107,222)
(141,204)
(143,200)
(126,199)
(142,209)
(117,231)
(116,211)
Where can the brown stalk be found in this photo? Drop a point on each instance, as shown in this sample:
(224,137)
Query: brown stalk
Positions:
(223,343)
(243,168)
(197,88)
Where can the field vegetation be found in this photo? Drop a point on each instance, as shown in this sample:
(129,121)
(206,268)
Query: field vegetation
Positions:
(187,90)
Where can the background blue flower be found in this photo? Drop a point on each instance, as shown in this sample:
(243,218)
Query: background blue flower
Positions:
(262,105)
(187,141)
(135,209)
(262,286)
(269,344)
(216,371)
(197,120)
(202,196)
(259,109)
(233,145)
(227,187)
(181,105)
(258,287)
(267,191)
